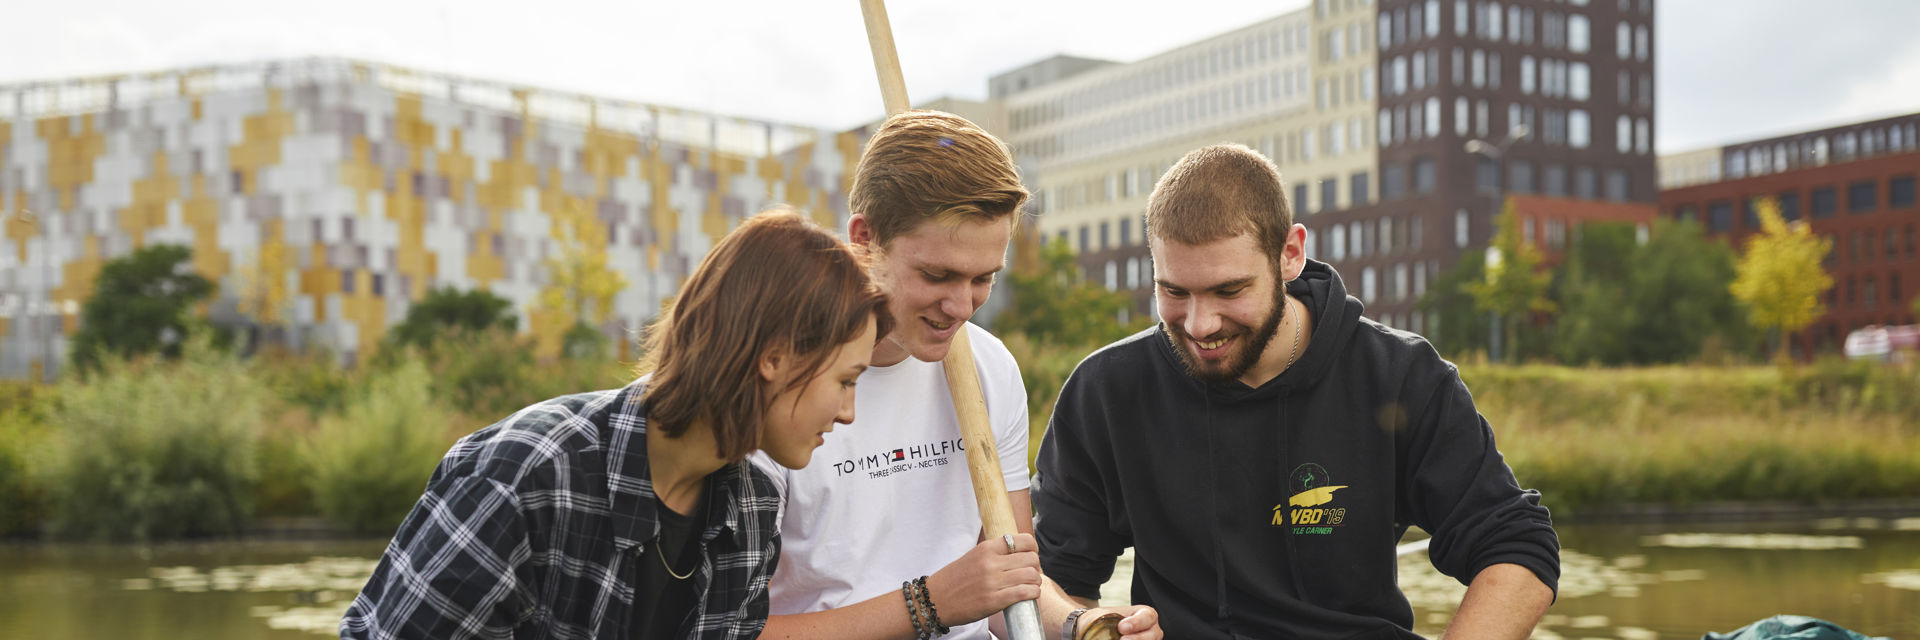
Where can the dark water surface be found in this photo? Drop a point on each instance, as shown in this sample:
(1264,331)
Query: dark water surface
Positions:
(1626,582)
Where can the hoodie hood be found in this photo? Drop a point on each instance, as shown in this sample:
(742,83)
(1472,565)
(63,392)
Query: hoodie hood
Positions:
(1336,316)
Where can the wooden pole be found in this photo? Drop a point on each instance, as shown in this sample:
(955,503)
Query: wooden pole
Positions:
(963,380)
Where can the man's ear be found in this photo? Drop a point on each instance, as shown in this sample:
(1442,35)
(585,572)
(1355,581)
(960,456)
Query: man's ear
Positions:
(859,230)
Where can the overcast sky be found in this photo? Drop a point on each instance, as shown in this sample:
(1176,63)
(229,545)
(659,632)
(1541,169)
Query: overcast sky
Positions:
(1728,70)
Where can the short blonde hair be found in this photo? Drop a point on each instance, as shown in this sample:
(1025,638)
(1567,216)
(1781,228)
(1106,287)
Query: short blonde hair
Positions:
(930,165)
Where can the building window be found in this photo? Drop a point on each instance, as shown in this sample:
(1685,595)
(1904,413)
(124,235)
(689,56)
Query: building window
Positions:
(1133,273)
(1393,181)
(1826,202)
(1338,242)
(1486,174)
(1423,175)
(1085,234)
(1519,176)
(1579,81)
(1900,192)
(1329,194)
(1460,229)
(1386,31)
(1789,206)
(1358,188)
(1385,134)
(1860,196)
(1367,282)
(1480,118)
(1300,198)
(1526,75)
(1556,235)
(1622,40)
(1720,216)
(1583,183)
(1555,177)
(1617,185)
(1623,134)
(1642,44)
(1433,18)
(1113,275)
(1479,68)
(1459,67)
(1578,33)
(1433,117)
(1460,17)
(1385,235)
(1578,129)
(1356,240)
(1642,137)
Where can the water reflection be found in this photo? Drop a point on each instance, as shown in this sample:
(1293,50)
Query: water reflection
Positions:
(1666,581)
(1626,582)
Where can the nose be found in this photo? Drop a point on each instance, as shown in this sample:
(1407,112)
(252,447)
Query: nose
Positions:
(845,416)
(1200,321)
(957,304)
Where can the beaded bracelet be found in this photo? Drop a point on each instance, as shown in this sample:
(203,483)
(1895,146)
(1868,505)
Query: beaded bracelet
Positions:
(927,599)
(913,611)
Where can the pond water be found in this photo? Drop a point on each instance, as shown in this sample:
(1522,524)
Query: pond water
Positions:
(1627,582)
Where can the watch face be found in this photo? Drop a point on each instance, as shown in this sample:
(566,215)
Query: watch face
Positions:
(1105,627)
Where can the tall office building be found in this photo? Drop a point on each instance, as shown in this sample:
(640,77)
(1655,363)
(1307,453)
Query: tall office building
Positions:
(1368,109)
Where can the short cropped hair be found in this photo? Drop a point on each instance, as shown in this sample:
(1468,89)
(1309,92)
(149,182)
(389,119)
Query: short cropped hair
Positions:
(1219,192)
(778,282)
(929,165)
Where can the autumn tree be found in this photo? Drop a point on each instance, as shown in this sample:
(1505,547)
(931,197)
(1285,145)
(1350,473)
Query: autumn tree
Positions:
(1779,276)
(581,286)
(1515,287)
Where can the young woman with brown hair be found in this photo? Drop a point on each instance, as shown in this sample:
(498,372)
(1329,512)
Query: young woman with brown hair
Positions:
(630,513)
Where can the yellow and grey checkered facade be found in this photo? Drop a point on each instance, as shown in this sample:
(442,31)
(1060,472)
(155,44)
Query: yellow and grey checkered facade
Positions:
(340,191)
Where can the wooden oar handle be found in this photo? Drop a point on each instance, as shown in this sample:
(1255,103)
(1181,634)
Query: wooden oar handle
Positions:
(976,432)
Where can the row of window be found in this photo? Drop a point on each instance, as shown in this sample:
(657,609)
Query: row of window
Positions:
(1253,94)
(1863,292)
(1863,196)
(1561,127)
(1176,70)
(1386,236)
(1863,245)
(1762,159)
(1570,31)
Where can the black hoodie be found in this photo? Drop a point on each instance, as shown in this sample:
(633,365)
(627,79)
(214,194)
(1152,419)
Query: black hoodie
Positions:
(1369,432)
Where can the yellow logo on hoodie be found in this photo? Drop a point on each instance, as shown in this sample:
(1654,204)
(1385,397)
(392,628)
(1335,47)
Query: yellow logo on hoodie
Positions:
(1312,489)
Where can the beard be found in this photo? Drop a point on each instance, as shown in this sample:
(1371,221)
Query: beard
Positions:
(1236,364)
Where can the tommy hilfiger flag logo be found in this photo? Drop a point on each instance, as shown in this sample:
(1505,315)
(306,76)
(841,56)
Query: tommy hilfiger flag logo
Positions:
(899,454)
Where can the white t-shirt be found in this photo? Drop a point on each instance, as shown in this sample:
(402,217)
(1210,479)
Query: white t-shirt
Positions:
(888,498)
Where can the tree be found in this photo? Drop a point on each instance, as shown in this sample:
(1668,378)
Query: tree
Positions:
(1591,286)
(1624,302)
(139,305)
(1515,286)
(1052,304)
(449,310)
(1780,278)
(581,285)
(1458,326)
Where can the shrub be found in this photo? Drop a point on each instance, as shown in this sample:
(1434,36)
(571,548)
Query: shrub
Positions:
(156,449)
(368,465)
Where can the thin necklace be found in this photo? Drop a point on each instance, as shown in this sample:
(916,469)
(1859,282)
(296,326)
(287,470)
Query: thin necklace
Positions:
(1294,351)
(663,563)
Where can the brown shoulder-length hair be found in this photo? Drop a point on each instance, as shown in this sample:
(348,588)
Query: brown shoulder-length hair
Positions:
(931,165)
(778,282)
(1219,192)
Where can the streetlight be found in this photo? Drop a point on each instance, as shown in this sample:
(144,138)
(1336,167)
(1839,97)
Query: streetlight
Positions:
(1497,153)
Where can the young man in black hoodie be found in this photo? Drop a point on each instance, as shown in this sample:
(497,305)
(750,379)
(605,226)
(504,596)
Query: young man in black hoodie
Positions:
(1264,447)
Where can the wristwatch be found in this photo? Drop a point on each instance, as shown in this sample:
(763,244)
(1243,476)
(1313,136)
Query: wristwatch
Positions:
(1105,627)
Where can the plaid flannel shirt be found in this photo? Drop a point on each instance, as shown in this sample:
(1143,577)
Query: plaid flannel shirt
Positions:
(530,528)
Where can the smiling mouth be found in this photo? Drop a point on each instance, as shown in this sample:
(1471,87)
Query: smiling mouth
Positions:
(1212,345)
(940,326)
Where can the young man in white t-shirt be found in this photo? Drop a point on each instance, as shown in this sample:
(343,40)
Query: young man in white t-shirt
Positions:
(889,499)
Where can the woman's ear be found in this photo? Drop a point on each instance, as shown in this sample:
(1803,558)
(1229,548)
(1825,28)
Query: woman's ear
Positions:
(772,365)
